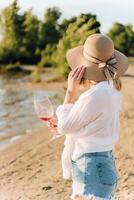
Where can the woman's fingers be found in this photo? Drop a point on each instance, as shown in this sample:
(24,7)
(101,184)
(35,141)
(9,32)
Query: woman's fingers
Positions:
(72,73)
(76,71)
(79,73)
(52,123)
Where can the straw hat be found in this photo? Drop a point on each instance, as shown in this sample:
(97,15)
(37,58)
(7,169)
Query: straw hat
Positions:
(101,60)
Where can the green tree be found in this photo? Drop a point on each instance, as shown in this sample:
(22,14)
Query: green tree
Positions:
(12,24)
(52,15)
(49,29)
(123,37)
(65,23)
(29,47)
(47,58)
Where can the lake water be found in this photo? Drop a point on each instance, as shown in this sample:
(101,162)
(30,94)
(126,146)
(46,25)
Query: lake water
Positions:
(17,115)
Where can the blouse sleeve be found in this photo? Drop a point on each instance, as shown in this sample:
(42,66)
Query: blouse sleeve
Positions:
(73,117)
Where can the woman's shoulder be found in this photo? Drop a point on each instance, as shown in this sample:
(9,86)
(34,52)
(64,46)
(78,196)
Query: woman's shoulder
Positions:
(100,94)
(92,93)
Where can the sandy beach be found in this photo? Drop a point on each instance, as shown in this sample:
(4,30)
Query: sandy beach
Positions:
(31,169)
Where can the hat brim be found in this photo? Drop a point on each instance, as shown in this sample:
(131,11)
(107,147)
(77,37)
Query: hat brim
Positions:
(76,58)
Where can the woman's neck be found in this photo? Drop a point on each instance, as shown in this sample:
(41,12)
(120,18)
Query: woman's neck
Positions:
(92,83)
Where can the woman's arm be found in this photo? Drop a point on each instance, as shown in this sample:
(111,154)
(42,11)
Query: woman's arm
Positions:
(74,79)
(73,117)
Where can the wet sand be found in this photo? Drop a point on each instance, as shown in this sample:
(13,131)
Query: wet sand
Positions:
(31,169)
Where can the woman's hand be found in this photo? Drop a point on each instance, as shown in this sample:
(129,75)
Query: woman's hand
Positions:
(52,125)
(74,78)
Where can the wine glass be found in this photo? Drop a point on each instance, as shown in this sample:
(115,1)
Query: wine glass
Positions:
(45,111)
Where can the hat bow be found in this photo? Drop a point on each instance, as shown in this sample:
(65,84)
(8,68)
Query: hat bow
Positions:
(108,67)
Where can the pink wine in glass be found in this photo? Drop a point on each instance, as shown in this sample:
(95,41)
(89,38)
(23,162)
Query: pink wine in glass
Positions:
(46,119)
(45,112)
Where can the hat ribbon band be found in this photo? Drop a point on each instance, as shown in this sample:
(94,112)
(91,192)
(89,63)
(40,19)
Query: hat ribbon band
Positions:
(109,69)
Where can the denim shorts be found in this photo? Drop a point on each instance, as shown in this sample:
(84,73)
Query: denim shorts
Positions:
(95,174)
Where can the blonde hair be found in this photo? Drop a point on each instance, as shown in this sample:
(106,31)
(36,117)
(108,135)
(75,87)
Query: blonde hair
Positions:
(87,83)
(118,84)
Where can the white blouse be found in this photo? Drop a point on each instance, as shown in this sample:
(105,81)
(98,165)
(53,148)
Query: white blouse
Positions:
(91,124)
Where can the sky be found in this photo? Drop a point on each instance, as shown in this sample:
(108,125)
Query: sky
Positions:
(107,11)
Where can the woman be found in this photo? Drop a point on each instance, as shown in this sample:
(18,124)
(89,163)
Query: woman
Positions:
(91,122)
